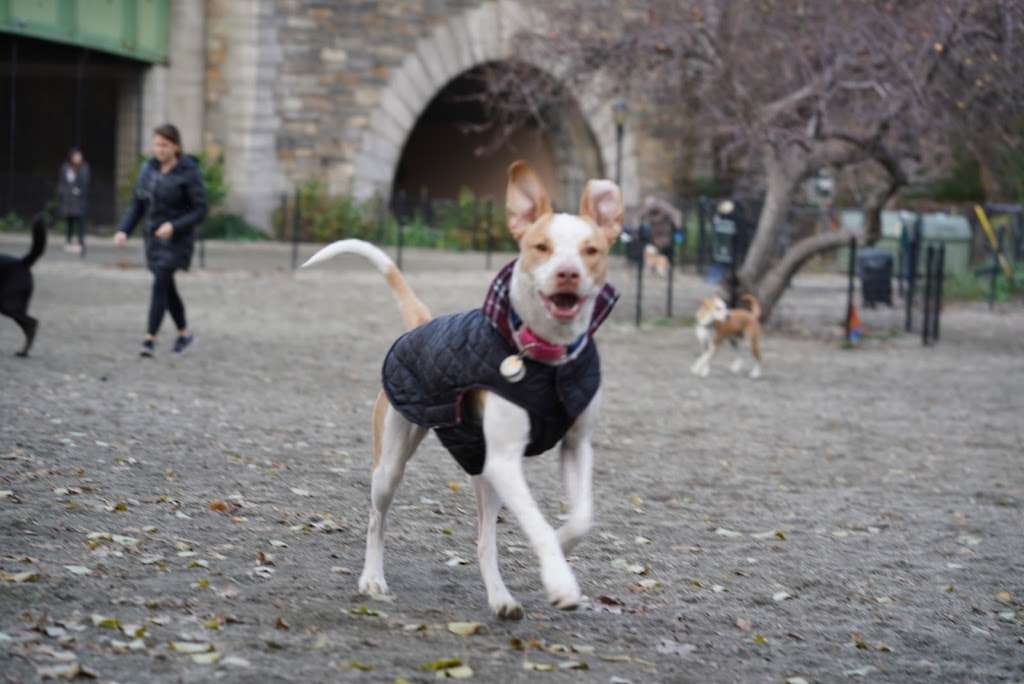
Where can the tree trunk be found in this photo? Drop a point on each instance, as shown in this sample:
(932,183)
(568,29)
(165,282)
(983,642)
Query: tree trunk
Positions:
(781,183)
(775,282)
(873,205)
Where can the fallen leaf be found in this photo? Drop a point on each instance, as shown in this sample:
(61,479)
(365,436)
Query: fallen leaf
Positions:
(614,658)
(68,671)
(642,540)
(781,596)
(78,569)
(458,672)
(1004,597)
(744,624)
(464,628)
(123,540)
(860,671)
(442,664)
(583,649)
(573,665)
(234,661)
(531,666)
(19,577)
(795,680)
(859,642)
(206,658)
(454,486)
(278,543)
(362,667)
(300,492)
(730,534)
(120,507)
(6,493)
(366,611)
(456,561)
(759,639)
(219,505)
(672,647)
(281,624)
(414,627)
(133,631)
(190,647)
(105,622)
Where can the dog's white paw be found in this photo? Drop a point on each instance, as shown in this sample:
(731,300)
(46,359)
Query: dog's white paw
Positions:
(755,373)
(704,370)
(507,608)
(373,584)
(562,589)
(736,366)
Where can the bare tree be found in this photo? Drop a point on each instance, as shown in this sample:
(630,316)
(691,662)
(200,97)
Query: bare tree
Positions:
(797,86)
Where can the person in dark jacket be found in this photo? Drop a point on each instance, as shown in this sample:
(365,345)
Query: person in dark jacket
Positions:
(171,196)
(73,193)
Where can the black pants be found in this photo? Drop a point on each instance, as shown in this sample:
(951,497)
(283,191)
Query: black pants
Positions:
(165,297)
(76,224)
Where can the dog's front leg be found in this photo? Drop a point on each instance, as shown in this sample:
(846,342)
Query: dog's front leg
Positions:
(487,506)
(507,431)
(577,476)
(398,440)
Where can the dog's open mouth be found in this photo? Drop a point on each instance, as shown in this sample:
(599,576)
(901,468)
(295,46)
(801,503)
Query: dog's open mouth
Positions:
(563,305)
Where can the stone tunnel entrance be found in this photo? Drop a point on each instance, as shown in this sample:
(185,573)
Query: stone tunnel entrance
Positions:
(455,145)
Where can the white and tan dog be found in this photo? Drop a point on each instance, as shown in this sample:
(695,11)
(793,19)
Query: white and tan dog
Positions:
(561,269)
(716,323)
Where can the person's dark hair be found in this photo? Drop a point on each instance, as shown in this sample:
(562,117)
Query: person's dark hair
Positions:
(170,132)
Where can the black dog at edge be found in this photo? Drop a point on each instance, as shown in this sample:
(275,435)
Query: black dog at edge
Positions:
(16,284)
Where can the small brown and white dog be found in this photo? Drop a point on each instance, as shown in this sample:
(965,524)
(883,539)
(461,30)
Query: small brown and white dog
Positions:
(716,324)
(555,282)
(655,261)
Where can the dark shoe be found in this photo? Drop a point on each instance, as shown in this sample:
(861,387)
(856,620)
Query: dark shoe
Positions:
(183,343)
(148,349)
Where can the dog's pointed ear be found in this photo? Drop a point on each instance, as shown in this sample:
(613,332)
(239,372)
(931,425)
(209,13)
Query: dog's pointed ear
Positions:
(602,203)
(526,200)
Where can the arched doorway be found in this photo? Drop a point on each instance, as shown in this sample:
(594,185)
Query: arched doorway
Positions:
(458,144)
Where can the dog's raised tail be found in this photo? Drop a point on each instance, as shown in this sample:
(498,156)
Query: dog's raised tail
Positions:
(38,242)
(414,312)
(755,306)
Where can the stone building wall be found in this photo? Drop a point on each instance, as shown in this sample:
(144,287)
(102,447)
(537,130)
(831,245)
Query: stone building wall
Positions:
(304,89)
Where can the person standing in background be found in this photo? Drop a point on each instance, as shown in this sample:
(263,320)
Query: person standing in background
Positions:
(171,198)
(73,193)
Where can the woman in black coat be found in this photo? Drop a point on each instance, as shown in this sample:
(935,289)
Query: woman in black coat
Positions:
(73,193)
(171,196)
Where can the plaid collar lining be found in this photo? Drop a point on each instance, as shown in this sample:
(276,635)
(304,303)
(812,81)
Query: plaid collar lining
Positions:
(498,306)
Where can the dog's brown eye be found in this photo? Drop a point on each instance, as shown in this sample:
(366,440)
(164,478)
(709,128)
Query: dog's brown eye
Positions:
(591,250)
(540,247)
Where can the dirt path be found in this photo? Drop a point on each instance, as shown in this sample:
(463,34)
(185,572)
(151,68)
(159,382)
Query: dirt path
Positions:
(876,493)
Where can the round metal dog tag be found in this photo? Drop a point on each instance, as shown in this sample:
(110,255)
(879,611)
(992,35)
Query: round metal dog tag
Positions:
(512,368)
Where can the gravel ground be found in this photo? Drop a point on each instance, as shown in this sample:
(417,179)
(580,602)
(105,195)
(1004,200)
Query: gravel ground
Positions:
(852,516)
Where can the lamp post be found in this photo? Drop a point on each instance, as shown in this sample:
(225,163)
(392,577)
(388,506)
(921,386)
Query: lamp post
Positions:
(619,113)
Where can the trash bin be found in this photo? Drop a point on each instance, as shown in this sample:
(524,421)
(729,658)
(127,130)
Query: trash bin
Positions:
(875,267)
(730,232)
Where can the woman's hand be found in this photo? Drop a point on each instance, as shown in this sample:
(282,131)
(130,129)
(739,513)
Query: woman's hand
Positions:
(165,231)
(120,237)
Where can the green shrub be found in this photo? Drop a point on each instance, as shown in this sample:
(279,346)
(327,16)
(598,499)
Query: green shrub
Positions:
(12,223)
(213,178)
(230,227)
(458,225)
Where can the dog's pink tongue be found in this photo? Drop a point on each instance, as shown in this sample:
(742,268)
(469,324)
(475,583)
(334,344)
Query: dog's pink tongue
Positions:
(539,350)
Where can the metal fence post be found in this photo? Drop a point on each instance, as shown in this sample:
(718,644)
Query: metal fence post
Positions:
(381,212)
(296,224)
(671,268)
(911,272)
(850,279)
(940,275)
(926,324)
(489,226)
(701,246)
(639,281)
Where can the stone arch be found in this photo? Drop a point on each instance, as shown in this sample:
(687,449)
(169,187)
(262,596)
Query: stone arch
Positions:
(477,36)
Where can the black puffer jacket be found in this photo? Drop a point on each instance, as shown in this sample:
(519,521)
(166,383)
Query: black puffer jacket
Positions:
(178,197)
(429,369)
(73,193)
